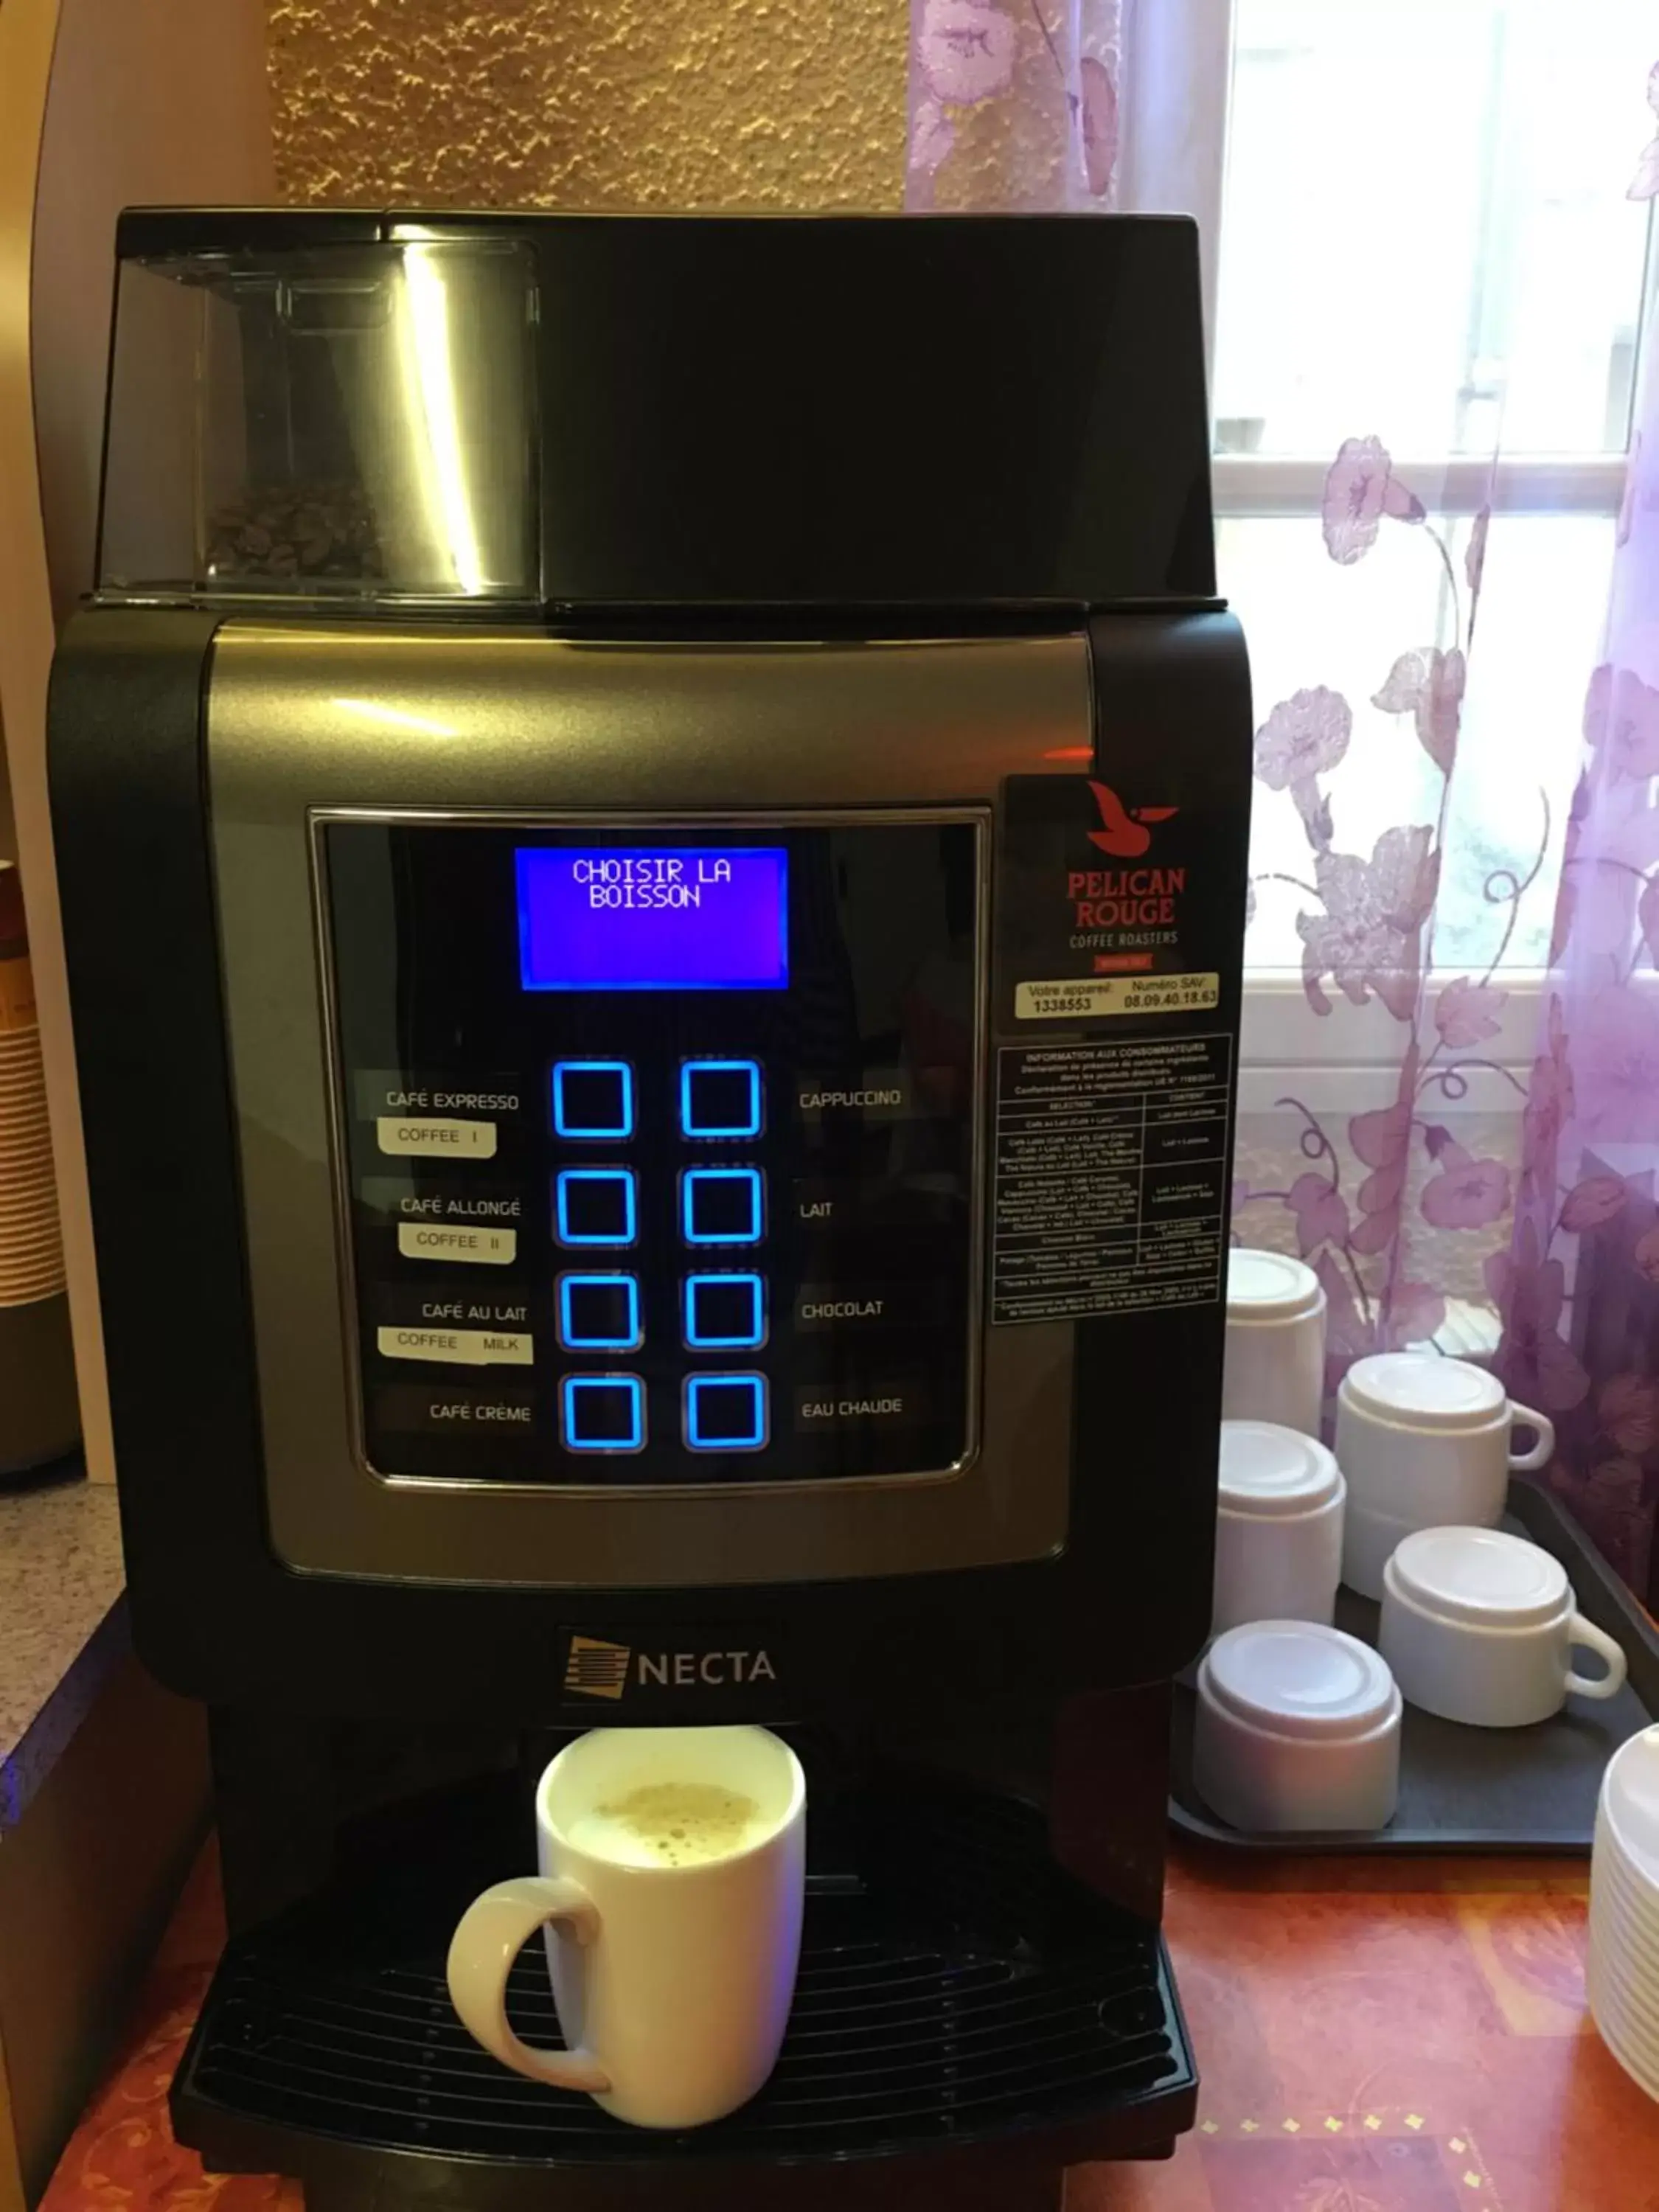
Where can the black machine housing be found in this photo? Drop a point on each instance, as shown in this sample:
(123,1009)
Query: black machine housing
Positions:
(851,437)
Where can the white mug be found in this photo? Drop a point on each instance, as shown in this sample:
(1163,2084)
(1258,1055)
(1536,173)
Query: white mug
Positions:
(1480,1627)
(1297,1726)
(1369,1542)
(1425,1442)
(1278,1527)
(673,1962)
(1274,1367)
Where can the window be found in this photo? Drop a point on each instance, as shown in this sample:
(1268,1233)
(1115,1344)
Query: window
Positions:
(1425,236)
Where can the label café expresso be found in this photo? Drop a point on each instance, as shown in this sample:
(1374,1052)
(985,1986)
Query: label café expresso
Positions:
(394,1101)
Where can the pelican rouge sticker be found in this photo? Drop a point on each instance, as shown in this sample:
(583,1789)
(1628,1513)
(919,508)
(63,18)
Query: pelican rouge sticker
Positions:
(1106,905)
(1125,834)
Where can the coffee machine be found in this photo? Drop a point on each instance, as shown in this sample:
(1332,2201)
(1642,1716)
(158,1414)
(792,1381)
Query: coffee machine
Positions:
(651,818)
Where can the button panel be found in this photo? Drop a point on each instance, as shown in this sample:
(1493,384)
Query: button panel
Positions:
(596,1206)
(599,1313)
(459,1347)
(594,1100)
(482,1419)
(697,1232)
(723,1206)
(720,1100)
(457,1244)
(855,1097)
(408,1138)
(602,1413)
(724,1312)
(857,1408)
(858,1308)
(725,1412)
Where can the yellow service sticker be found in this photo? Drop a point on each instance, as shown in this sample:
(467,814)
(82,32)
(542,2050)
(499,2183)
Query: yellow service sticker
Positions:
(1086,998)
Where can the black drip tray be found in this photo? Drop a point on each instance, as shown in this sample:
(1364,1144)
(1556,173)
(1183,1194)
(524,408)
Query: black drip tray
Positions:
(961,1992)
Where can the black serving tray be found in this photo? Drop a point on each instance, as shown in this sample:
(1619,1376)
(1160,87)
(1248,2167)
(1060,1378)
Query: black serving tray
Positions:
(1530,1790)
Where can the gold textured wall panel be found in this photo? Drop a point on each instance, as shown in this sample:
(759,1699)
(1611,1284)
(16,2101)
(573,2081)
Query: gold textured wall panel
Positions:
(591,103)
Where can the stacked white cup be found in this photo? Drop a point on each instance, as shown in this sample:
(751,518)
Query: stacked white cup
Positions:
(1480,1626)
(1278,1527)
(1274,1366)
(1624,1914)
(1298,1727)
(1423,1442)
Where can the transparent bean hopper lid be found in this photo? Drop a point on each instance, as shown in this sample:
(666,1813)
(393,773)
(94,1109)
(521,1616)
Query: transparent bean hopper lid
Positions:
(343,424)
(519,417)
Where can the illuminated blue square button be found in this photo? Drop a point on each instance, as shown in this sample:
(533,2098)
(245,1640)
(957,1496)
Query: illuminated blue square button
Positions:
(725,1412)
(595,1205)
(602,1413)
(719,1098)
(724,1312)
(593,1098)
(599,1313)
(722,1206)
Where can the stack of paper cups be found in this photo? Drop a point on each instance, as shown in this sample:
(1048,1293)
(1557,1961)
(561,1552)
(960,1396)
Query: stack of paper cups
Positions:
(31,1242)
(38,1413)
(1624,1918)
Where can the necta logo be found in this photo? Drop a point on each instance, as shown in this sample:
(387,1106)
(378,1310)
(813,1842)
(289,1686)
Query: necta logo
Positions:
(595,1667)
(1123,833)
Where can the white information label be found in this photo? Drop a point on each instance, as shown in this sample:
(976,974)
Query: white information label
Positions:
(460,1347)
(432,1240)
(435,1140)
(1087,997)
(1111,1161)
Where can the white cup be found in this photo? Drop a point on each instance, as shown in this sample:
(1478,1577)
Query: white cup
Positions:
(1479,1626)
(1298,1727)
(672,1982)
(1278,1527)
(1423,1442)
(1370,1540)
(1275,1366)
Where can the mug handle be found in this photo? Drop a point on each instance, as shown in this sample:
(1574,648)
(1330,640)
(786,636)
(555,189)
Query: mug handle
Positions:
(490,1933)
(1523,1417)
(1585,1632)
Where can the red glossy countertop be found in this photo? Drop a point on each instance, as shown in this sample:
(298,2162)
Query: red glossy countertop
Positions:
(1374,2036)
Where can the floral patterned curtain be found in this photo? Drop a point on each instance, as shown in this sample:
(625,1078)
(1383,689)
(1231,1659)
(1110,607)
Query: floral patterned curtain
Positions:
(1578,1288)
(1380,1190)
(1412,1215)
(1013,106)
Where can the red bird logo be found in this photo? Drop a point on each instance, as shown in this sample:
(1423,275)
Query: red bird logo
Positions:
(1123,835)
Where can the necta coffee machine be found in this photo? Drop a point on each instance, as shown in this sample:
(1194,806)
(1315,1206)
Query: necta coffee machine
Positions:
(651,824)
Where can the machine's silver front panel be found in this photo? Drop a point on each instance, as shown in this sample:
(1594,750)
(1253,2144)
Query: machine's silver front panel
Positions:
(481,733)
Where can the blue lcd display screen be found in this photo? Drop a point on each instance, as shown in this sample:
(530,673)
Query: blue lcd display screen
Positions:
(658,918)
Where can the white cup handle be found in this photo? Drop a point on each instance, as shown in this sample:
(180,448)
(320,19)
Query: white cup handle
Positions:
(1592,1639)
(1523,1417)
(491,1933)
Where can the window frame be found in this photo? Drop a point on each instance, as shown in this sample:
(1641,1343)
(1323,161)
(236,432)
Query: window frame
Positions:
(1192,41)
(1255,487)
(1197,38)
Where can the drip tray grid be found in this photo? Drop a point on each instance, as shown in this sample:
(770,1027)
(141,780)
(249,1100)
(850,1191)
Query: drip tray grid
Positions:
(962,1990)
